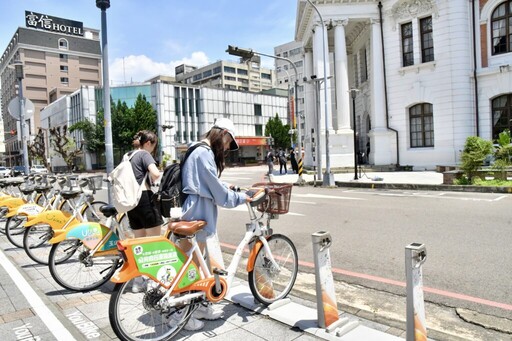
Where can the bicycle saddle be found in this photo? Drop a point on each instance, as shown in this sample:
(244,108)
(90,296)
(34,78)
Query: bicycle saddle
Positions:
(42,188)
(186,228)
(108,210)
(70,194)
(27,189)
(15,182)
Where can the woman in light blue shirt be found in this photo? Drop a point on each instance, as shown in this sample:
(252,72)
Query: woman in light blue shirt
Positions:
(200,180)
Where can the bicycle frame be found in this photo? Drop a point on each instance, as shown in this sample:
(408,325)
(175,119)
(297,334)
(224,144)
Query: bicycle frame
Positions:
(208,284)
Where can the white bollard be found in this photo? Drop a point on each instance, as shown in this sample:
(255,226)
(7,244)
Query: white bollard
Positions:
(415,256)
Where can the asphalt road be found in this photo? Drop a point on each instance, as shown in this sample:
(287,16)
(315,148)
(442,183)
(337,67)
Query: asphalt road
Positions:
(467,236)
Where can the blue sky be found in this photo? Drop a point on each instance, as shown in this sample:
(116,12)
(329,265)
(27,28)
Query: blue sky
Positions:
(151,37)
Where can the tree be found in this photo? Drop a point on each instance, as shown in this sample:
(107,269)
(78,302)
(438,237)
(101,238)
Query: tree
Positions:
(37,149)
(475,151)
(279,132)
(503,153)
(94,133)
(64,145)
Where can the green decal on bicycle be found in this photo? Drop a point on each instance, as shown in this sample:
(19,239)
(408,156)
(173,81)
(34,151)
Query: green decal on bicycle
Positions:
(91,234)
(163,262)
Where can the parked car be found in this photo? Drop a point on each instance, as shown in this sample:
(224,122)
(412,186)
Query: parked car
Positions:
(17,170)
(4,172)
(38,169)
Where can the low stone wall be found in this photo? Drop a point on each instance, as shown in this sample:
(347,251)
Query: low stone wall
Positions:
(451,175)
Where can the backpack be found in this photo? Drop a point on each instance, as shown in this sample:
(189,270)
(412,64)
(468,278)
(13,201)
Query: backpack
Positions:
(126,191)
(170,194)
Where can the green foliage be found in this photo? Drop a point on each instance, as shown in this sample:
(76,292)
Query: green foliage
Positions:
(279,132)
(503,151)
(475,151)
(94,133)
(494,182)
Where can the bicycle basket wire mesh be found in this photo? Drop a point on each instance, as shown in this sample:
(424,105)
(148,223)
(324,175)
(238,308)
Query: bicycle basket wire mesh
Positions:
(95,182)
(278,201)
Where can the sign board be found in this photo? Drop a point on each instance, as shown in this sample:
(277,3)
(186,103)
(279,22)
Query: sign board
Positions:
(53,24)
(14,108)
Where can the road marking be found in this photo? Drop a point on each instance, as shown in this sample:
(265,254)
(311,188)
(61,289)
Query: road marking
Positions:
(429,196)
(49,319)
(320,196)
(304,202)
(439,292)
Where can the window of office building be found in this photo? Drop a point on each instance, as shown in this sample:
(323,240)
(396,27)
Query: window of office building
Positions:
(207,73)
(64,80)
(427,40)
(241,71)
(63,57)
(229,78)
(295,52)
(501,114)
(197,77)
(266,76)
(216,70)
(299,63)
(407,45)
(258,129)
(363,67)
(229,69)
(421,122)
(257,110)
(501,29)
(63,44)
(64,68)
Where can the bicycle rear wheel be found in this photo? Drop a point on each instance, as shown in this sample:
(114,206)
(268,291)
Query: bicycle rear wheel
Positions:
(15,229)
(137,316)
(36,242)
(267,282)
(72,267)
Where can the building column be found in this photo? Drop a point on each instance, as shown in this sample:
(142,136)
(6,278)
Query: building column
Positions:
(382,141)
(309,107)
(341,67)
(318,63)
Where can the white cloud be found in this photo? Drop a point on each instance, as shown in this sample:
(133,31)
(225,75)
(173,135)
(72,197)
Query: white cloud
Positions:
(140,68)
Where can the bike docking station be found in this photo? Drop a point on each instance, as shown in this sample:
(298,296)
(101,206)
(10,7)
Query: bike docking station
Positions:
(415,256)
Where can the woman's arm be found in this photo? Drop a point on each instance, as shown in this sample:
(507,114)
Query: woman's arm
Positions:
(154,173)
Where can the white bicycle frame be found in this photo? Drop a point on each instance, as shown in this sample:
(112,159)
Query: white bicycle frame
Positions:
(253,229)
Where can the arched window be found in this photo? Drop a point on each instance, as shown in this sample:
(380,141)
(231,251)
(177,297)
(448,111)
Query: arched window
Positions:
(501,29)
(63,44)
(501,114)
(421,123)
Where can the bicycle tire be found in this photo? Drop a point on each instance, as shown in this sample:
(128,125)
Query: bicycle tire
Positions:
(37,237)
(134,317)
(77,272)
(3,212)
(15,229)
(40,199)
(266,284)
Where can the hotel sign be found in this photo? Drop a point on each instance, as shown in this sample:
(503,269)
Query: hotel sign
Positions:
(53,24)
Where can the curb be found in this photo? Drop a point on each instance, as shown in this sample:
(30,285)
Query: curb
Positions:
(423,187)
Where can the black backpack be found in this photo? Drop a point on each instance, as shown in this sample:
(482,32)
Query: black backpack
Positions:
(170,192)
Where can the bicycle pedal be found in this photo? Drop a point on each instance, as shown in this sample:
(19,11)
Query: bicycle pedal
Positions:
(220,272)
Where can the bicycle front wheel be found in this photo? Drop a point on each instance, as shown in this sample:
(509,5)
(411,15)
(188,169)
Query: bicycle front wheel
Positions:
(73,268)
(91,212)
(268,282)
(15,229)
(137,316)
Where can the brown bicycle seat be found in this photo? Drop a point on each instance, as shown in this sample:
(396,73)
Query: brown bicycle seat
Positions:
(186,228)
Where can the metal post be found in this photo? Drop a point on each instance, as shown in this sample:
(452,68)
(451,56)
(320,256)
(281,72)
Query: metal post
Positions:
(328,176)
(327,308)
(415,256)
(353,93)
(109,148)
(317,128)
(22,122)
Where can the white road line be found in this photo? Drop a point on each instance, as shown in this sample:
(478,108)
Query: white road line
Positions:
(304,202)
(442,195)
(320,196)
(49,319)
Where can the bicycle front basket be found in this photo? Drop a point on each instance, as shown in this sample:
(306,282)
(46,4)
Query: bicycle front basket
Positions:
(278,201)
(95,182)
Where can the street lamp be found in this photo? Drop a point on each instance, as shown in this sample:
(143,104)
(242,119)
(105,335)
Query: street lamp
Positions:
(109,148)
(353,94)
(248,54)
(18,70)
(328,177)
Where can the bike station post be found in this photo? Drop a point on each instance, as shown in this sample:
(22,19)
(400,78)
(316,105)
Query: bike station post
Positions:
(415,256)
(327,309)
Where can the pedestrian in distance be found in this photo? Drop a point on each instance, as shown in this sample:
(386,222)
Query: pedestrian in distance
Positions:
(200,180)
(270,161)
(282,161)
(293,161)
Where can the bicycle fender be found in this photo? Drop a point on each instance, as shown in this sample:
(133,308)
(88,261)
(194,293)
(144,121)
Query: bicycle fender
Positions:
(125,274)
(252,256)
(58,236)
(13,202)
(55,218)
(25,209)
(91,234)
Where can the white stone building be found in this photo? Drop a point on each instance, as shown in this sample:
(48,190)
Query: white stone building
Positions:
(430,73)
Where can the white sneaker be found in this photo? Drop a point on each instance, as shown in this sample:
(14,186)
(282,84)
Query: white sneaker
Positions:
(138,285)
(193,324)
(208,313)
